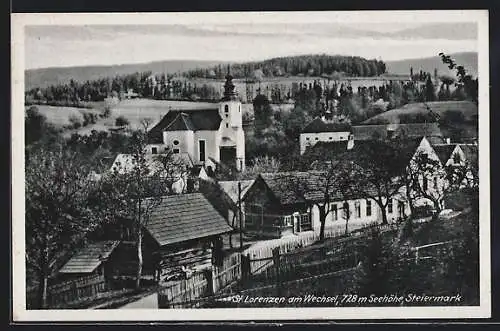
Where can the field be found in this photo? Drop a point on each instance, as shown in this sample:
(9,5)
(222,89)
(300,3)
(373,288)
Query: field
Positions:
(467,108)
(134,110)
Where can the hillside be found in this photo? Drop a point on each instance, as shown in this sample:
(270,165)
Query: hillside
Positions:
(467,108)
(52,76)
(468,60)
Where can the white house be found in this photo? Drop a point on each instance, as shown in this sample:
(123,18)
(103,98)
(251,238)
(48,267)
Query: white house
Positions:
(204,134)
(321,131)
(273,208)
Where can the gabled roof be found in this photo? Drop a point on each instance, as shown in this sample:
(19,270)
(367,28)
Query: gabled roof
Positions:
(183,217)
(318,125)
(181,123)
(186,119)
(444,151)
(90,257)
(471,152)
(231,188)
(411,130)
(298,187)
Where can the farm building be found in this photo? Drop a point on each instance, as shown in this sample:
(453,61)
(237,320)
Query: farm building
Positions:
(404,131)
(274,208)
(96,258)
(231,189)
(321,131)
(184,232)
(204,134)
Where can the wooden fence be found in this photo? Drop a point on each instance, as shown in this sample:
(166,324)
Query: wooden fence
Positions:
(69,291)
(285,261)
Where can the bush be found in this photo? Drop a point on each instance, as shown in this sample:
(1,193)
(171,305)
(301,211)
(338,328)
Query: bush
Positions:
(75,122)
(121,121)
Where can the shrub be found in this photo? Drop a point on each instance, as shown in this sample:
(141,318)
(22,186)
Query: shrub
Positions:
(75,122)
(121,121)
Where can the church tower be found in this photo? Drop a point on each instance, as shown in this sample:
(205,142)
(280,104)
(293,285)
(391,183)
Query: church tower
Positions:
(232,145)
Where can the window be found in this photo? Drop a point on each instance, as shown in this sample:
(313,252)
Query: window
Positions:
(201,149)
(317,138)
(334,211)
(342,138)
(287,220)
(307,138)
(435,182)
(357,207)
(176,151)
(154,150)
(239,108)
(226,109)
(424,183)
(389,206)
(305,222)
(456,158)
(368,208)
(176,142)
(330,138)
(227,125)
(227,115)
(346,213)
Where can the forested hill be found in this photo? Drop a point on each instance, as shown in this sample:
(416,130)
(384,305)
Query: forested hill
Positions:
(428,64)
(307,65)
(41,78)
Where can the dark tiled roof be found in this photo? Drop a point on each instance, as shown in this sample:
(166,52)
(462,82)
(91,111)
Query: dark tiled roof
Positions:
(181,123)
(471,153)
(192,119)
(185,217)
(300,187)
(411,130)
(444,151)
(89,257)
(318,125)
(325,148)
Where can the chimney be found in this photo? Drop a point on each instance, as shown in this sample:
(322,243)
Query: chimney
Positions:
(350,142)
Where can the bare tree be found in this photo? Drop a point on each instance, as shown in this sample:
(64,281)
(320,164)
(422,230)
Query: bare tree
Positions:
(146,123)
(429,179)
(134,192)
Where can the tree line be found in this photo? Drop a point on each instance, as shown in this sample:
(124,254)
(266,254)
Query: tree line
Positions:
(303,65)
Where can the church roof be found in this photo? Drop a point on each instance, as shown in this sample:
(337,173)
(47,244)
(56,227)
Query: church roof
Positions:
(185,120)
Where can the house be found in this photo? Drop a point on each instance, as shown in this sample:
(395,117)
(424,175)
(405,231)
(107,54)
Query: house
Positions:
(177,171)
(463,158)
(184,234)
(96,258)
(274,208)
(322,131)
(230,188)
(431,131)
(204,134)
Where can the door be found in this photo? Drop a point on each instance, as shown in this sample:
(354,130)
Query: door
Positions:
(228,155)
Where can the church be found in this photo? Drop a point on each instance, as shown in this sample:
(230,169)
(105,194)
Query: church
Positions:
(208,136)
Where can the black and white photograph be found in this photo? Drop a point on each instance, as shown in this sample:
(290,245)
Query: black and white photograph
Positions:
(251,166)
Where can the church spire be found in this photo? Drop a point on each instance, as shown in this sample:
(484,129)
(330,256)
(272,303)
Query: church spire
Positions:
(229,92)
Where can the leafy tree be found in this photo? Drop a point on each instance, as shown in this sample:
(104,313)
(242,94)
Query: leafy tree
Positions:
(262,113)
(58,212)
(470,85)
(261,164)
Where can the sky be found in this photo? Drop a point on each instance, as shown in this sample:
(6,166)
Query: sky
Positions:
(106,44)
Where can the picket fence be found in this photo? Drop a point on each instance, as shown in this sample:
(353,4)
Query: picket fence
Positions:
(69,291)
(256,264)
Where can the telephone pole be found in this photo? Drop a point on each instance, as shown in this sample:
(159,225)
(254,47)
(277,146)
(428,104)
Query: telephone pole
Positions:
(240,216)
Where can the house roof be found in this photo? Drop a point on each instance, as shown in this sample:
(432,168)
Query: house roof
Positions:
(183,217)
(318,125)
(87,259)
(410,130)
(471,152)
(231,188)
(444,151)
(186,119)
(302,187)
